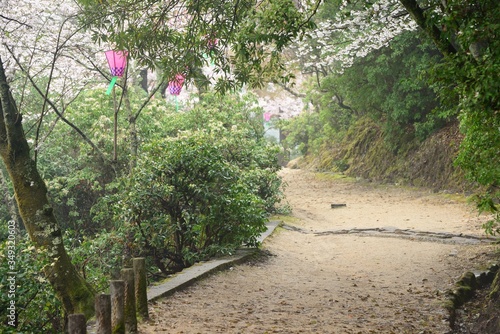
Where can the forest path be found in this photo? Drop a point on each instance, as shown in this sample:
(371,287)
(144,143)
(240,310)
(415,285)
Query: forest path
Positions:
(337,269)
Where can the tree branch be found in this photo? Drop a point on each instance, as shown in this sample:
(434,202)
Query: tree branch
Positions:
(289,90)
(150,96)
(14,20)
(314,11)
(9,134)
(56,110)
(444,46)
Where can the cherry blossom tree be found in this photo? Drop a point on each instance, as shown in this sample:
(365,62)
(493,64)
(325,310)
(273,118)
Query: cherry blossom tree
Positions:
(40,46)
(349,30)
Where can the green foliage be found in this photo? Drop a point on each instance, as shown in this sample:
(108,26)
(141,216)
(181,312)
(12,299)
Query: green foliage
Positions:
(76,175)
(77,179)
(4,210)
(303,132)
(486,203)
(202,188)
(178,33)
(479,105)
(468,82)
(38,310)
(99,257)
(389,85)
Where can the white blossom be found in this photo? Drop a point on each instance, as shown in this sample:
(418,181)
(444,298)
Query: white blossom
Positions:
(340,40)
(45,38)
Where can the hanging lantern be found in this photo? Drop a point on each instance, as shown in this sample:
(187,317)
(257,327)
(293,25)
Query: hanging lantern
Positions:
(175,85)
(212,44)
(267,116)
(117,61)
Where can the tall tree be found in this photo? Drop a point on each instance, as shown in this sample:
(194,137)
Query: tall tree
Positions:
(466,33)
(37,54)
(31,195)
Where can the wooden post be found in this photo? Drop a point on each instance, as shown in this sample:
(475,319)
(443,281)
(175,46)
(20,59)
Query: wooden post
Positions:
(130,314)
(141,285)
(77,324)
(117,291)
(103,313)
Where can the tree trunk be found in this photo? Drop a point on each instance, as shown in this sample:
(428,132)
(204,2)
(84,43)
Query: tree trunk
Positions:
(9,200)
(417,14)
(134,141)
(76,295)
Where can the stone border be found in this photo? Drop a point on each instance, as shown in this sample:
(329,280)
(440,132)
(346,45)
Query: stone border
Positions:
(464,289)
(198,271)
(201,270)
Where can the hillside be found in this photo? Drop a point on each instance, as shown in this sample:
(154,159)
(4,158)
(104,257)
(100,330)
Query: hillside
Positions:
(364,153)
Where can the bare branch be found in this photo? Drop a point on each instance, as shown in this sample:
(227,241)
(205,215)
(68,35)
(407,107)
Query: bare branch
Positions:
(289,90)
(56,110)
(14,20)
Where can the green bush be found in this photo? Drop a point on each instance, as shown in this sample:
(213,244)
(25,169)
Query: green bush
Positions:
(204,189)
(187,200)
(36,307)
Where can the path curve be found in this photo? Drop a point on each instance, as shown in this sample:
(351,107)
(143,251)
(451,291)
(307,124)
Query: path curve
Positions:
(323,281)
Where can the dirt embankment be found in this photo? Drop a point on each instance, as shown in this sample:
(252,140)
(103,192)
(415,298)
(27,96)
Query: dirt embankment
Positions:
(365,153)
(316,279)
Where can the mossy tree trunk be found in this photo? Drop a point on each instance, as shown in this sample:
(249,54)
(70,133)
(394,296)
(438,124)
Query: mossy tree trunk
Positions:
(76,295)
(9,199)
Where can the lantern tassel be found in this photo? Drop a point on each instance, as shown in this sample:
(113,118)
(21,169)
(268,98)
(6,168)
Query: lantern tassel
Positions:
(111,85)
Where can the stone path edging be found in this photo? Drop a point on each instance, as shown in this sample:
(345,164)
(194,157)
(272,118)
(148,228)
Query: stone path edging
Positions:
(200,270)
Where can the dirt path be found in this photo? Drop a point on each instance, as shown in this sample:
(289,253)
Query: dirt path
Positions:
(317,280)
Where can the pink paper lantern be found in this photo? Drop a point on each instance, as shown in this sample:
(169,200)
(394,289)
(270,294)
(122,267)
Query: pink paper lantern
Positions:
(175,85)
(212,44)
(117,61)
(267,116)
